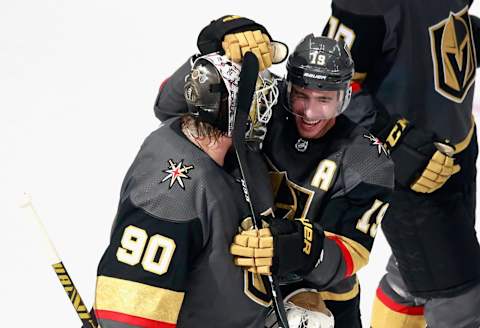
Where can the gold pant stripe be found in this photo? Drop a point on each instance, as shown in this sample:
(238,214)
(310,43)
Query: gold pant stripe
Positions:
(357,251)
(459,147)
(383,316)
(141,300)
(331,296)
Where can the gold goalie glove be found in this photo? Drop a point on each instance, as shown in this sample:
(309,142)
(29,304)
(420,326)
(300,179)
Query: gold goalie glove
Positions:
(236,35)
(439,169)
(285,246)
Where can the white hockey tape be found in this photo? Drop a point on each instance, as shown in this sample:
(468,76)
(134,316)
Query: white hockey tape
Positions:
(31,214)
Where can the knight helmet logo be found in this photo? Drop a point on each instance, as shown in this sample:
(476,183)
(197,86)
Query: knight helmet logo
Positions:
(453,55)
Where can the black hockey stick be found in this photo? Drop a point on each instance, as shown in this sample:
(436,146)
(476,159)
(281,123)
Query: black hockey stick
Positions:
(88,318)
(248,79)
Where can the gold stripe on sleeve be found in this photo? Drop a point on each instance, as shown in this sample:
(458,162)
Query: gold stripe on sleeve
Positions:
(137,299)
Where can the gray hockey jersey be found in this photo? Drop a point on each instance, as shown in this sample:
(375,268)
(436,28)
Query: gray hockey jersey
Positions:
(168,262)
(342,180)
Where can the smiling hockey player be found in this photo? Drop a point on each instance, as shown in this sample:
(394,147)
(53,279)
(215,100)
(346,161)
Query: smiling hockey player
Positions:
(325,172)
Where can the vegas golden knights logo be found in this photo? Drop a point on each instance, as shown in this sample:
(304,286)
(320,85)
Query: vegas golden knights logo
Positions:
(254,284)
(291,200)
(254,288)
(453,55)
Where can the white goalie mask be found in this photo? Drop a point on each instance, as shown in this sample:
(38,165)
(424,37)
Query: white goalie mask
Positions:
(265,97)
(211,93)
(305,309)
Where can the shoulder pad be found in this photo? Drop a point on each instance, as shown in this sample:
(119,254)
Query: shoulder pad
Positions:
(366,160)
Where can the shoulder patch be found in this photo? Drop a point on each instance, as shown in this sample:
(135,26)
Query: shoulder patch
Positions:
(362,163)
(374,141)
(176,172)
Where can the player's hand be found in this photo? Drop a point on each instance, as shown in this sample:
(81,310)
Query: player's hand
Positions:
(236,35)
(421,163)
(286,246)
(236,45)
(253,249)
(439,169)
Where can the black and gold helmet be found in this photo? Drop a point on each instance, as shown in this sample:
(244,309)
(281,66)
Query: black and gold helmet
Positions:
(206,94)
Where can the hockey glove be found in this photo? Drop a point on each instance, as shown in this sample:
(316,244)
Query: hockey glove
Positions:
(421,162)
(235,35)
(286,246)
(237,44)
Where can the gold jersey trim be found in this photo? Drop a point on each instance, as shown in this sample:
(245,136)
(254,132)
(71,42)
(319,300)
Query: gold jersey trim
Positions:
(254,288)
(359,77)
(137,299)
(383,316)
(357,251)
(459,147)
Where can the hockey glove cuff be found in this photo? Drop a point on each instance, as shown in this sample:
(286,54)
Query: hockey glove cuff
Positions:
(421,162)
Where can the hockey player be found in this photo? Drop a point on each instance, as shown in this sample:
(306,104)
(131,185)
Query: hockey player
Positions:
(323,167)
(415,67)
(168,261)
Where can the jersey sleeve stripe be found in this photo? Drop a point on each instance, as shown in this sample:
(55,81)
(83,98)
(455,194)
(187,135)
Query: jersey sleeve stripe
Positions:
(346,255)
(383,316)
(400,308)
(163,84)
(356,86)
(131,320)
(462,145)
(138,300)
(354,254)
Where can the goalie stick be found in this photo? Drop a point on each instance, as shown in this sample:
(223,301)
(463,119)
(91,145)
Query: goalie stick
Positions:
(248,79)
(88,319)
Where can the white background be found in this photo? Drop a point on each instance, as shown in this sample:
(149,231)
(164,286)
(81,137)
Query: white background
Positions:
(77,84)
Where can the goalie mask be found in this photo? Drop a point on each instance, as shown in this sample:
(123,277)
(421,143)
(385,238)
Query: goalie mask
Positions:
(318,79)
(211,93)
